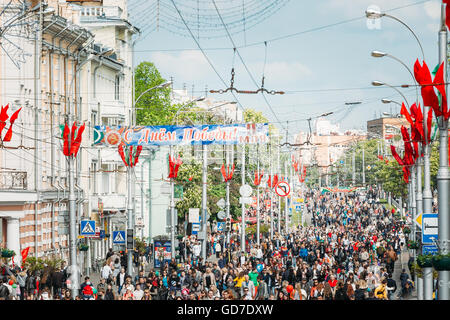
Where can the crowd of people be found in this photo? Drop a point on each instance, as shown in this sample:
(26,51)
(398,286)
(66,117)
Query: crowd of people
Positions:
(348,252)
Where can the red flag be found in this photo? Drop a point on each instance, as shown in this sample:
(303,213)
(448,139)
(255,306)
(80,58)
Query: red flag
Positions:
(72,136)
(178,163)
(77,142)
(224,173)
(275,181)
(24,254)
(405,112)
(122,154)
(440,86)
(3,118)
(66,133)
(396,156)
(268,182)
(13,118)
(130,155)
(423,77)
(138,152)
(230,174)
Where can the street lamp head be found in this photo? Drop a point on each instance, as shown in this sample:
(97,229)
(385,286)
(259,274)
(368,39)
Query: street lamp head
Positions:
(377,83)
(378,54)
(199,99)
(386,101)
(372,13)
(165,84)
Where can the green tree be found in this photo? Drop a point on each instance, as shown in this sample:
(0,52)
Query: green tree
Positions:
(154,107)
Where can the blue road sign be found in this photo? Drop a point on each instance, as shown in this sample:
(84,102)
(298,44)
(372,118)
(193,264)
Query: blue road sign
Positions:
(87,228)
(298,208)
(429,249)
(102,234)
(195,227)
(429,228)
(220,226)
(119,237)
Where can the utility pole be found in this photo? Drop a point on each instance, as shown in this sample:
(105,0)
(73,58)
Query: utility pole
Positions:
(363,167)
(286,209)
(258,214)
(172,209)
(243,204)
(279,198)
(270,193)
(443,175)
(130,219)
(227,202)
(353,169)
(204,200)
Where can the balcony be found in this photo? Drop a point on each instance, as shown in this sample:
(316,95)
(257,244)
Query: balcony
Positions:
(13,180)
(99,12)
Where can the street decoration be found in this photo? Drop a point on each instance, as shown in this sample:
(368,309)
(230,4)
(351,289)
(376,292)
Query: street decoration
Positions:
(227,173)
(129,155)
(258,178)
(3,117)
(174,166)
(272,182)
(339,190)
(302,176)
(229,134)
(72,139)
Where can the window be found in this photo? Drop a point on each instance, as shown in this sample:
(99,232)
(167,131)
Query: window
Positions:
(117,88)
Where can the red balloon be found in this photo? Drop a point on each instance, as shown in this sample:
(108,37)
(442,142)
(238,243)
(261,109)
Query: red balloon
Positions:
(289,288)
(11,282)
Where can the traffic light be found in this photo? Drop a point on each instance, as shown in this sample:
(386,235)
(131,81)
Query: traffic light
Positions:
(228,224)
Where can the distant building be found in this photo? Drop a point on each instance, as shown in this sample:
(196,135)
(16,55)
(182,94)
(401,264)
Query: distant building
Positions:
(326,144)
(385,127)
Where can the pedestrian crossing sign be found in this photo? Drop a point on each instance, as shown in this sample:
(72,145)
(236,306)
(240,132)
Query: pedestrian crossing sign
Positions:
(119,237)
(87,228)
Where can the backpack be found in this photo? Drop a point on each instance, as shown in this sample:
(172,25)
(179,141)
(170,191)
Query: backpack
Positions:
(87,290)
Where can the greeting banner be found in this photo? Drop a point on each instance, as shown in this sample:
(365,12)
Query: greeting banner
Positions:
(182,135)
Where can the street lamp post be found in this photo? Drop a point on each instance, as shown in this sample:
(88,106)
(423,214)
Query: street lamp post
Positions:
(443,175)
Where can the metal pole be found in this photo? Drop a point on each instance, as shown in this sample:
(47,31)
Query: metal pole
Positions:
(443,175)
(270,193)
(279,198)
(257,199)
(354,169)
(243,204)
(286,209)
(363,167)
(75,276)
(130,224)
(227,203)
(172,209)
(204,199)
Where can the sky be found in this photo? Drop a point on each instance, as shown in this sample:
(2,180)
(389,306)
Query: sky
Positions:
(319,70)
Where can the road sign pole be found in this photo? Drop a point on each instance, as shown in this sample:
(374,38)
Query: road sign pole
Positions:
(172,209)
(270,193)
(279,202)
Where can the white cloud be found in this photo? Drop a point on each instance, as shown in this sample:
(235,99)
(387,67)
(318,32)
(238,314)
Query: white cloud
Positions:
(189,63)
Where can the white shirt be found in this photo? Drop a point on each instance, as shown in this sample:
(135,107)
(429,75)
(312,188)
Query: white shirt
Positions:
(138,294)
(196,250)
(106,271)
